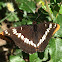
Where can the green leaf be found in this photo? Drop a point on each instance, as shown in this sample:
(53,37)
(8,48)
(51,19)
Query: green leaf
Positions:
(29,22)
(2,4)
(60,11)
(16,59)
(55,1)
(33,57)
(55,50)
(12,17)
(17,24)
(28,6)
(45,54)
(24,22)
(18,52)
(21,0)
(37,60)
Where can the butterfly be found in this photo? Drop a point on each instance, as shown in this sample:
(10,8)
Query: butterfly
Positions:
(32,38)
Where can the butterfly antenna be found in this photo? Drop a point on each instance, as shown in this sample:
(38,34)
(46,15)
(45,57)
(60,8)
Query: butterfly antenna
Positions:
(37,17)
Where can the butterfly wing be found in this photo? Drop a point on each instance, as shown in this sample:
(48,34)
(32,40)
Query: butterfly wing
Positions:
(23,37)
(45,32)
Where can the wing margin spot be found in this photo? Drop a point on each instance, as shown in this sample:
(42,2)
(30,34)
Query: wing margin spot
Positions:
(57,28)
(2,33)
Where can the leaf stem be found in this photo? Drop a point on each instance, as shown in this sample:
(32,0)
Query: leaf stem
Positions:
(48,10)
(5,17)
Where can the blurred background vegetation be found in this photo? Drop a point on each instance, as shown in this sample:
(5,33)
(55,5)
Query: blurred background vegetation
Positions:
(15,13)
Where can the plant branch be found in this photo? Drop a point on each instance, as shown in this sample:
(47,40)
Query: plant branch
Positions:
(48,10)
(5,18)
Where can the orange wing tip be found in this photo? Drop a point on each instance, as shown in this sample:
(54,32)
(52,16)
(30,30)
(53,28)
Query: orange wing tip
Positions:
(57,28)
(2,33)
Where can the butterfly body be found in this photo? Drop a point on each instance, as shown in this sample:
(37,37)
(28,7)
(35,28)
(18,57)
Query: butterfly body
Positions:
(32,38)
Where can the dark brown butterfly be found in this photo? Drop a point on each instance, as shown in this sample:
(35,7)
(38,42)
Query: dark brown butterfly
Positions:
(32,38)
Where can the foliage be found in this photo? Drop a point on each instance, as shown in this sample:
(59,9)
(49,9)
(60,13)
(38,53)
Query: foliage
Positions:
(21,12)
